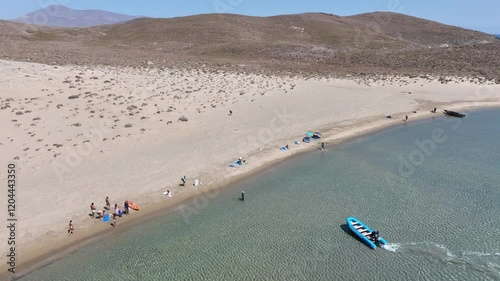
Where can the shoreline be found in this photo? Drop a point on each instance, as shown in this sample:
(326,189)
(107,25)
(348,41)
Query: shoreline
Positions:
(57,248)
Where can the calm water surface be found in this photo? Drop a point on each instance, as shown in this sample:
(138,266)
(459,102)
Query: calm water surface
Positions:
(437,204)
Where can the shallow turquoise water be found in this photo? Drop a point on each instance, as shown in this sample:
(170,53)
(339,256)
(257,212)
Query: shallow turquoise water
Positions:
(438,208)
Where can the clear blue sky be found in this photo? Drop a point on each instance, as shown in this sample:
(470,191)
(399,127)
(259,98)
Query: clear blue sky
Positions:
(483,15)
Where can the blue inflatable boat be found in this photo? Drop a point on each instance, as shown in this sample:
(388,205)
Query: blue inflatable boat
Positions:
(365,233)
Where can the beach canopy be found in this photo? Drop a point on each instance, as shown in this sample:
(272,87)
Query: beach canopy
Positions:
(309,134)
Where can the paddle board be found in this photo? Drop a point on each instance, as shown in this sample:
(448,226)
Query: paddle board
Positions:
(133,206)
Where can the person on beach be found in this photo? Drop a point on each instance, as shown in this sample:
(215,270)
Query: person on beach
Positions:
(117,210)
(322,146)
(230,112)
(183,179)
(126,206)
(241,161)
(100,214)
(108,205)
(286,146)
(71,228)
(92,210)
(114,221)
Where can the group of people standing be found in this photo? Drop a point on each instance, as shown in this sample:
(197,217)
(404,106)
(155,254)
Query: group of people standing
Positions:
(101,213)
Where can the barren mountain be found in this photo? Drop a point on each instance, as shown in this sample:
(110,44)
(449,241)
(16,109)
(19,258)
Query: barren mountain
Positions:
(314,43)
(60,16)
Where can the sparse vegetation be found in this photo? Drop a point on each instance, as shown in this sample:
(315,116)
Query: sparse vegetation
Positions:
(292,44)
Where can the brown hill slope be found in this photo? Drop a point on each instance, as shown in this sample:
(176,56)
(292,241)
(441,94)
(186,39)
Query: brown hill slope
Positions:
(375,30)
(372,43)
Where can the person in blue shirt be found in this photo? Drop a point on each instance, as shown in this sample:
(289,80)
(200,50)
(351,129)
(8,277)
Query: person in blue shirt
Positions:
(126,207)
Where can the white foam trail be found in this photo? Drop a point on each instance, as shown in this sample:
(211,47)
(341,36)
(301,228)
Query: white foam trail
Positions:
(446,250)
(474,260)
(391,247)
(480,254)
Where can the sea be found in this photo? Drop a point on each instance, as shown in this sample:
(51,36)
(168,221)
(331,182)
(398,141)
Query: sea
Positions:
(432,189)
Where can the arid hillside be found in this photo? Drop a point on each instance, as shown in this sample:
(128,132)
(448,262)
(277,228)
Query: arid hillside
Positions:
(373,43)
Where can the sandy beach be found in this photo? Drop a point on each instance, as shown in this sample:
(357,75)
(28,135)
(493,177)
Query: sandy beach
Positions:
(80,133)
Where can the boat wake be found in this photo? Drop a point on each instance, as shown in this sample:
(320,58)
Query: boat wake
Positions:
(392,247)
(481,261)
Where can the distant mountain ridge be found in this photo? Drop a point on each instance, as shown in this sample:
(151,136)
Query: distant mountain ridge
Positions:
(61,16)
(379,42)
